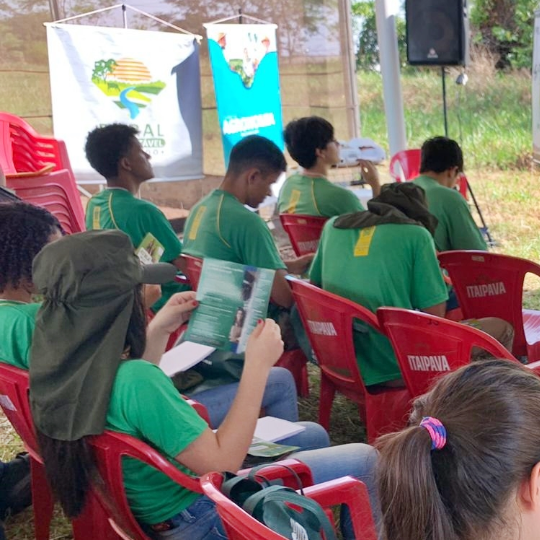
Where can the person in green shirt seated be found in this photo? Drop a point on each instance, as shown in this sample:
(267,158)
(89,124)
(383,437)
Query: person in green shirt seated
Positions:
(94,379)
(390,252)
(115,152)
(311,143)
(221,227)
(440,168)
(25,229)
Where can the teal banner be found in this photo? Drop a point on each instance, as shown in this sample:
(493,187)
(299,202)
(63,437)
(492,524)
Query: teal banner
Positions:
(245,68)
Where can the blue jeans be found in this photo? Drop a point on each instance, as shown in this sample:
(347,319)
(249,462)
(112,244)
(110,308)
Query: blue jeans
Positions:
(279,399)
(201,520)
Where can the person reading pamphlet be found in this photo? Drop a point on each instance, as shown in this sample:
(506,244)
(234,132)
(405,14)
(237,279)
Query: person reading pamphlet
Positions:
(94,379)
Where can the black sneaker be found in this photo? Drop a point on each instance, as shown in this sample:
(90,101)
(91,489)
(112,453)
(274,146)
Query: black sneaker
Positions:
(15,485)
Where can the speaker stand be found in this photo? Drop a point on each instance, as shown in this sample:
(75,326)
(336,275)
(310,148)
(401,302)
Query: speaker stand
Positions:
(445,112)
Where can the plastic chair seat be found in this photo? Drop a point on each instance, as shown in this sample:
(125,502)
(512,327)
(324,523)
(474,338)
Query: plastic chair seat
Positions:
(239,525)
(328,321)
(428,347)
(304,231)
(491,285)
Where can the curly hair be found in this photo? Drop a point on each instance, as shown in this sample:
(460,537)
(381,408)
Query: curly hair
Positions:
(24,229)
(106,145)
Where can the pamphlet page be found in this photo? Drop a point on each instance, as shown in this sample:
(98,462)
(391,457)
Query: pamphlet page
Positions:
(232,298)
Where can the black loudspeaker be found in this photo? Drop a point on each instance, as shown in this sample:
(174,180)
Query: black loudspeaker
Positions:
(437,32)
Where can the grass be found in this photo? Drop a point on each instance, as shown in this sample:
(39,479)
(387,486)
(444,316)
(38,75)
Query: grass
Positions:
(490,117)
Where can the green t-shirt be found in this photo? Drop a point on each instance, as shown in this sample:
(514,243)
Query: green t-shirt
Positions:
(387,265)
(119,209)
(310,196)
(17,323)
(146,405)
(456,228)
(221,227)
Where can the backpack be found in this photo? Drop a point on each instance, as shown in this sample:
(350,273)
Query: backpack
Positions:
(280,508)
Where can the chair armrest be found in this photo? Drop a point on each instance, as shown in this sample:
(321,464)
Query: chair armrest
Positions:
(277,471)
(353,493)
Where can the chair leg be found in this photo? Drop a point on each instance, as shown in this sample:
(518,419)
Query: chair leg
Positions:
(328,391)
(42,501)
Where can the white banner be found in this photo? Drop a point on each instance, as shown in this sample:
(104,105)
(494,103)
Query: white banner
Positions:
(536,88)
(147,79)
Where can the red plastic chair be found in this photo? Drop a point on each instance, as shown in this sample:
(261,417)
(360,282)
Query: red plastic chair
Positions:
(22,149)
(331,338)
(304,232)
(491,285)
(405,165)
(57,187)
(428,347)
(239,525)
(14,386)
(295,360)
(109,449)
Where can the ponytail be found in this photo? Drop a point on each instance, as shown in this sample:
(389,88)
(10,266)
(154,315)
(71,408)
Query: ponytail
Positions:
(70,470)
(406,481)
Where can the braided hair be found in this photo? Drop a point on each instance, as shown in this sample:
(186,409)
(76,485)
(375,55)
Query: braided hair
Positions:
(24,230)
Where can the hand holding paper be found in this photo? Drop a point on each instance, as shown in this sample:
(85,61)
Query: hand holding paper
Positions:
(265,345)
(175,312)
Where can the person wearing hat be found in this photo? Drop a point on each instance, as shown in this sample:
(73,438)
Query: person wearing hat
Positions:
(390,249)
(93,379)
(26,230)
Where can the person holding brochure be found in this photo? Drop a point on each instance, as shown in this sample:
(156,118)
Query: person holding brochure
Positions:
(26,229)
(221,227)
(78,277)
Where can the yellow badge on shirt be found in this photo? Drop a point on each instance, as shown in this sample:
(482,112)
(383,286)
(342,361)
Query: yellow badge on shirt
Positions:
(365,236)
(196,223)
(293,202)
(96,218)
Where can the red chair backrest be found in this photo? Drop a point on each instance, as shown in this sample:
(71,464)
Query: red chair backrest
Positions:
(193,269)
(14,388)
(328,320)
(27,150)
(304,231)
(490,285)
(109,449)
(239,525)
(58,185)
(428,347)
(405,165)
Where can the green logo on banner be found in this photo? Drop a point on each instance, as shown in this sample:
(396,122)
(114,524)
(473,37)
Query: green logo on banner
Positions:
(128,82)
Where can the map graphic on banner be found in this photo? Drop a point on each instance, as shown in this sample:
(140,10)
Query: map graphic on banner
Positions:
(150,80)
(244,63)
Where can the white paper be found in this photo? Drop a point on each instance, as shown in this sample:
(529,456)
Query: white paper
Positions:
(183,357)
(275,429)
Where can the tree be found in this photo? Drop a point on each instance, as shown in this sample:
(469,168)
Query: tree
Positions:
(505,28)
(367,56)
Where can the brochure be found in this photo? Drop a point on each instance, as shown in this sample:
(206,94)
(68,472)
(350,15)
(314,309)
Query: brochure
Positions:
(150,250)
(274,429)
(232,298)
(266,449)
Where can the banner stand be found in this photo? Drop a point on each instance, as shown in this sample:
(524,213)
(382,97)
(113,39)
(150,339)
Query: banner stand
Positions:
(124,8)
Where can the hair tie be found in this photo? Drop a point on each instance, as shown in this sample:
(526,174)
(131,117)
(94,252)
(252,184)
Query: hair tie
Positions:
(436,431)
